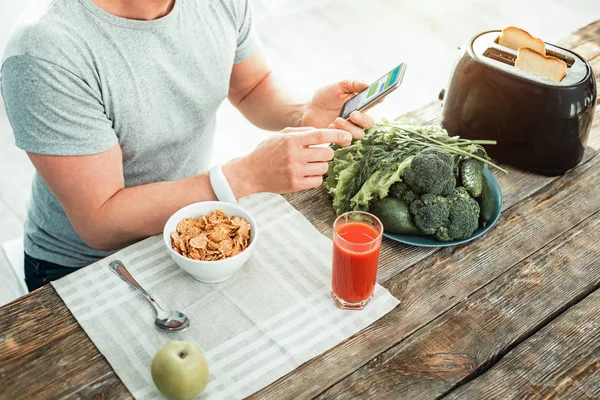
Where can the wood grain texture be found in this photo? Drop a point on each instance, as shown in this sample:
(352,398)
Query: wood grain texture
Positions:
(561,361)
(589,33)
(44,353)
(69,362)
(438,283)
(32,321)
(108,386)
(594,137)
(484,327)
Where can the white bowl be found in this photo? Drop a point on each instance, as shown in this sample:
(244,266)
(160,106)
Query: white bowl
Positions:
(210,271)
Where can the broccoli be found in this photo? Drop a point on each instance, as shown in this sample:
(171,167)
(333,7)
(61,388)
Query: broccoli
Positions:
(437,206)
(463,216)
(430,213)
(431,171)
(401,191)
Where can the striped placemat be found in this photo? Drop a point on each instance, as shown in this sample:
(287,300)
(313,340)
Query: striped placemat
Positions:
(271,316)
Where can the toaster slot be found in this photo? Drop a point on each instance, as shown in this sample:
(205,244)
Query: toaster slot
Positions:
(506,57)
(500,55)
(568,60)
(486,49)
(498,48)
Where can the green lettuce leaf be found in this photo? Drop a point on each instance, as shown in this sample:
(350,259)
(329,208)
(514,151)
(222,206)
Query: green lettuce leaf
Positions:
(378,186)
(344,181)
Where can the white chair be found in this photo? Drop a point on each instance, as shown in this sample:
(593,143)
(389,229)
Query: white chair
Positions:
(13,250)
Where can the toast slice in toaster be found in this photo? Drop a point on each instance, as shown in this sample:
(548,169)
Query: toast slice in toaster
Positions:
(541,65)
(514,38)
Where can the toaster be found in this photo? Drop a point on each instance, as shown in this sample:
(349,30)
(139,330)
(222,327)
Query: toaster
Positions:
(539,125)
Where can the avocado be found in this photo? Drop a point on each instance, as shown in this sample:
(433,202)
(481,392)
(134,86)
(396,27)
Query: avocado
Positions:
(395,216)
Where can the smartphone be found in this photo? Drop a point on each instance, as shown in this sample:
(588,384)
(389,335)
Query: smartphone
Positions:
(377,91)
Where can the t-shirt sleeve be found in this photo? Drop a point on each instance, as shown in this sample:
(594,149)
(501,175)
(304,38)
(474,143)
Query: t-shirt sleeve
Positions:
(248,42)
(53,111)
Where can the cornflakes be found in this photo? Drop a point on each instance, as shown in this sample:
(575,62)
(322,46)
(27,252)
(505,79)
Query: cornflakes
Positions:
(211,237)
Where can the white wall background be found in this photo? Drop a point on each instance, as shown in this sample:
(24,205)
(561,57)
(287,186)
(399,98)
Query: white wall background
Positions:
(9,13)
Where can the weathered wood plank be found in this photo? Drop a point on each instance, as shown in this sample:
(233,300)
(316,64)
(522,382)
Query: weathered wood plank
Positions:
(438,283)
(68,363)
(589,33)
(41,342)
(560,361)
(484,327)
(106,387)
(426,114)
(21,329)
(594,138)
(587,50)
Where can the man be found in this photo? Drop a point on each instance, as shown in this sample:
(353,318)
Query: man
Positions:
(114,102)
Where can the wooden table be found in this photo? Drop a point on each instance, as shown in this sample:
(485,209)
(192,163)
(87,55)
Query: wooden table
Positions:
(515,313)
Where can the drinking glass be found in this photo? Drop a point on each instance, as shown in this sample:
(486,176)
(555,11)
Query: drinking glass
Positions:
(356,247)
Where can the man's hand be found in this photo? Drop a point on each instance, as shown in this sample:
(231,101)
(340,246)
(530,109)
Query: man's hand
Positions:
(289,162)
(255,92)
(324,108)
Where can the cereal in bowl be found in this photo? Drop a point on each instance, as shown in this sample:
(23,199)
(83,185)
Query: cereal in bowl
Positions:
(211,237)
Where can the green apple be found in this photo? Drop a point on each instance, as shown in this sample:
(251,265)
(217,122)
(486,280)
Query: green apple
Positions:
(179,370)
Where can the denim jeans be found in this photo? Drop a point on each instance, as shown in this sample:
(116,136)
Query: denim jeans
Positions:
(39,272)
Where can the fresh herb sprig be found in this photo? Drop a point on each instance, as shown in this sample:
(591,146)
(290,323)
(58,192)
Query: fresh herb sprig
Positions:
(451,144)
(385,150)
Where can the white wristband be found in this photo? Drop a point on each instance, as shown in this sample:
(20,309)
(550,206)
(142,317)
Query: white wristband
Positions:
(220,185)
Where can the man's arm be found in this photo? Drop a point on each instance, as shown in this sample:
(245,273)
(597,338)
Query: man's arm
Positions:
(109,216)
(254,91)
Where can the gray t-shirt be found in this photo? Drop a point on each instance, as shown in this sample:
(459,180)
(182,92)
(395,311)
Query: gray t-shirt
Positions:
(77,80)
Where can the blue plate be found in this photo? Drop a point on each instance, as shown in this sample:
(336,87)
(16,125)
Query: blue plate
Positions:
(430,241)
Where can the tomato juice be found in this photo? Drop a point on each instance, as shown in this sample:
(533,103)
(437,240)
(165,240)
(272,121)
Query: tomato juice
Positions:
(356,247)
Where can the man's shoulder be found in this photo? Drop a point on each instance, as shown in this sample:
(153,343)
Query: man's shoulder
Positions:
(233,9)
(47,31)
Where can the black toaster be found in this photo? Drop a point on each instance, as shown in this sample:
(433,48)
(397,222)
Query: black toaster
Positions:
(540,125)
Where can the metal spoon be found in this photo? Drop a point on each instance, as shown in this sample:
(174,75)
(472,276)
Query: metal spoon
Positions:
(168,320)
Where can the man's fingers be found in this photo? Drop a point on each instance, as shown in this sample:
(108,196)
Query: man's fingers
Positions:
(356,131)
(315,169)
(317,154)
(321,136)
(297,129)
(310,182)
(353,86)
(361,119)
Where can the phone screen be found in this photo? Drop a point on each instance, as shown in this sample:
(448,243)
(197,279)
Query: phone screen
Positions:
(372,92)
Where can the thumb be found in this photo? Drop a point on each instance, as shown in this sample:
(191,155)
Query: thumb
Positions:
(353,86)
